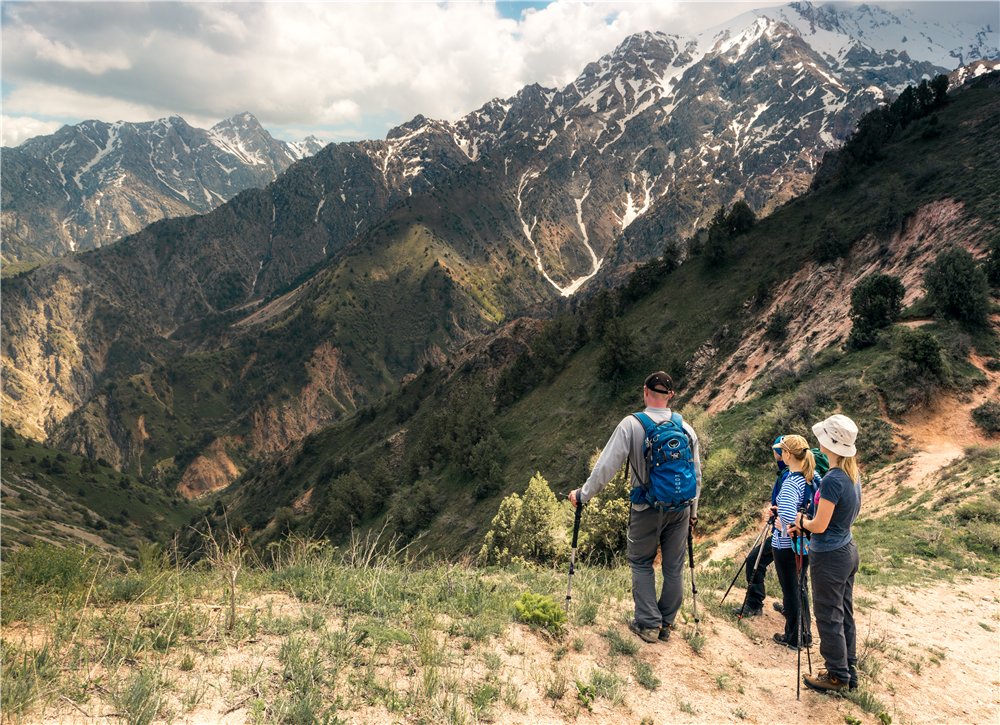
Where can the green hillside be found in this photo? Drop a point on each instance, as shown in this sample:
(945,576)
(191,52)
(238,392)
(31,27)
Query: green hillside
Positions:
(425,280)
(435,458)
(56,497)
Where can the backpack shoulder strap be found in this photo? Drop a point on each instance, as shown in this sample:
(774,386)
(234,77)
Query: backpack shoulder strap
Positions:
(647,425)
(645,421)
(676,419)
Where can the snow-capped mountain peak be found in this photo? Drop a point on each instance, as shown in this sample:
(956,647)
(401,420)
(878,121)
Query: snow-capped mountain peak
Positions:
(115,178)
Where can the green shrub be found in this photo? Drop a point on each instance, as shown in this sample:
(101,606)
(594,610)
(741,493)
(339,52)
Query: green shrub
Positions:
(830,244)
(607,685)
(722,475)
(415,509)
(917,371)
(621,645)
(983,537)
(991,265)
(125,588)
(56,568)
(585,694)
(645,676)
(876,302)
(140,697)
(957,287)
(777,325)
(876,439)
(484,464)
(604,522)
(987,417)
(920,355)
(618,355)
(524,527)
(983,509)
(540,611)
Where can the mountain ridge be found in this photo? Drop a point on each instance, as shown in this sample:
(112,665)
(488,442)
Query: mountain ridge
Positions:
(498,221)
(116,178)
(747,337)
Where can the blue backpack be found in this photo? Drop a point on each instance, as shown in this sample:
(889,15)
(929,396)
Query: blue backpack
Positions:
(671,483)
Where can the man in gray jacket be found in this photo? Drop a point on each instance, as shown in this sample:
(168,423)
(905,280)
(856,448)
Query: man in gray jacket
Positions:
(648,527)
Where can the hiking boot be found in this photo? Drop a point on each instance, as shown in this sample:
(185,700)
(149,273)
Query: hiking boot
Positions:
(853,682)
(748,612)
(824,682)
(790,644)
(778,607)
(646,634)
(664,633)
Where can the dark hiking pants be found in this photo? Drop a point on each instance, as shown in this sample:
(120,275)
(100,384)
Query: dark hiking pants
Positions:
(755,583)
(649,530)
(833,606)
(788,577)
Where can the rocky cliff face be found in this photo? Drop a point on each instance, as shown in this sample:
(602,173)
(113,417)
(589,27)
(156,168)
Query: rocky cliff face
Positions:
(817,300)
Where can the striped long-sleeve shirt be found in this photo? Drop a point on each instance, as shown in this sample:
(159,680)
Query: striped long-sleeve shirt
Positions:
(789,498)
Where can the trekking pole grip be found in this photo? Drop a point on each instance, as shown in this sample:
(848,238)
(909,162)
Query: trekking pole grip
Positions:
(576,520)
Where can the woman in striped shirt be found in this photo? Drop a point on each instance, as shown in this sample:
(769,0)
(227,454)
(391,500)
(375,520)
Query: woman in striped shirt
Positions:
(801,466)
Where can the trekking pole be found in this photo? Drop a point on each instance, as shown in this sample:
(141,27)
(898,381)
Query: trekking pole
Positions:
(804,592)
(798,624)
(694,589)
(756,541)
(572,553)
(769,525)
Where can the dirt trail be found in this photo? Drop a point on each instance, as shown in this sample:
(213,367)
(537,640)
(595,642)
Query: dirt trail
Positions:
(938,434)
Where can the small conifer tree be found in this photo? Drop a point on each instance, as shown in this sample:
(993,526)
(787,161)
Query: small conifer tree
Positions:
(957,287)
(876,302)
(618,356)
(525,527)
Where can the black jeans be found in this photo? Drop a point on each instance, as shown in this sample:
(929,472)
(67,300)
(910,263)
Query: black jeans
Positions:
(755,584)
(788,577)
(833,604)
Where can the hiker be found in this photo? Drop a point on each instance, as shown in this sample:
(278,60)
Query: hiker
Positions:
(835,555)
(660,515)
(795,490)
(753,606)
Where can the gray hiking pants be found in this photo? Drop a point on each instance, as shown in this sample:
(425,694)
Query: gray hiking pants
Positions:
(648,531)
(833,607)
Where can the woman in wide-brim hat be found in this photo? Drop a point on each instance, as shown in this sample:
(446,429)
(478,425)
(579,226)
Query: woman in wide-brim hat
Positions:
(834,555)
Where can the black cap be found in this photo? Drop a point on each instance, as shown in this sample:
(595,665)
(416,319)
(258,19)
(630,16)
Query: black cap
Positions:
(660,382)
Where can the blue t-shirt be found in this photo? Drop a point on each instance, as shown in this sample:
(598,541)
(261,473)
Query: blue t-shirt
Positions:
(838,488)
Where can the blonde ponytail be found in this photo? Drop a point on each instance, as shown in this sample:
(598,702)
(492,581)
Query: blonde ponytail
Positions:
(809,465)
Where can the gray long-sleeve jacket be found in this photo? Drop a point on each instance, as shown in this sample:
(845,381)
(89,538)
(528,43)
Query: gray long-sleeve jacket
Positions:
(628,437)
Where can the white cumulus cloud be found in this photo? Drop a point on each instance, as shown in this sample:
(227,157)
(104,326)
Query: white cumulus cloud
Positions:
(336,69)
(16,129)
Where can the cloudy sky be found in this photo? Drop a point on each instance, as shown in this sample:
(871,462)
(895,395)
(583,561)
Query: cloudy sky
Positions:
(338,70)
